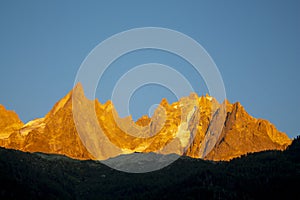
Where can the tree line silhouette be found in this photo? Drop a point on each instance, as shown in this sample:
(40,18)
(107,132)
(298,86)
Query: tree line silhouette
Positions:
(263,175)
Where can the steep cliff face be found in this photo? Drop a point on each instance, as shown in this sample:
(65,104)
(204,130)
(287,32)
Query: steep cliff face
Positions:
(195,126)
(9,122)
(243,134)
(55,133)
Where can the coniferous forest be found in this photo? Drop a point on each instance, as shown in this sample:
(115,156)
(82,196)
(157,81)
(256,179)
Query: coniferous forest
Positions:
(263,175)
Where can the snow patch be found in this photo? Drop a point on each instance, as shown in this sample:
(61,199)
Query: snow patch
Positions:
(36,124)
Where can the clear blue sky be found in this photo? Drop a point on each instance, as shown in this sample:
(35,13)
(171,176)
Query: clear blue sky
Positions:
(255,45)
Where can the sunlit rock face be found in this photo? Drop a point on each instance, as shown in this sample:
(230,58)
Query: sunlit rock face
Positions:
(243,134)
(198,127)
(9,122)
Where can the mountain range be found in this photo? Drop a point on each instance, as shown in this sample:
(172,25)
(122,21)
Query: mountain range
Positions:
(197,127)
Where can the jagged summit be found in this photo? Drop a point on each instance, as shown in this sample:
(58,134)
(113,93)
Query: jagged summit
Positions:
(198,127)
(9,122)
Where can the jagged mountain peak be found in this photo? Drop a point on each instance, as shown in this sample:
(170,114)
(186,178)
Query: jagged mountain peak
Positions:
(9,122)
(192,126)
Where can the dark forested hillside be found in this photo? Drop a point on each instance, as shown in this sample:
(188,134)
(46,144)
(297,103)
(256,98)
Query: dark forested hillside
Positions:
(264,175)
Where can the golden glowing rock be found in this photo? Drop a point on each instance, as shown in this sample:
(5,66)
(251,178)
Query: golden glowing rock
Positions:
(195,126)
(9,122)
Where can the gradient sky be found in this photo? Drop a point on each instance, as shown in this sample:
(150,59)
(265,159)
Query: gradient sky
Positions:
(255,45)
